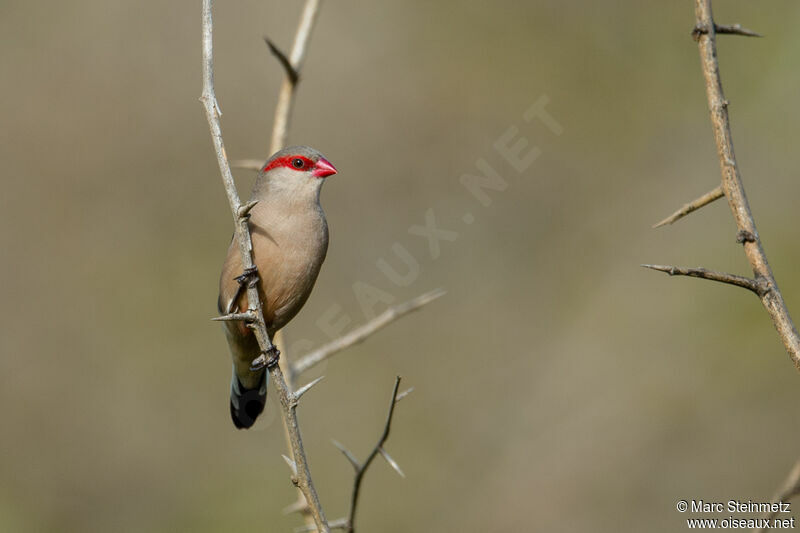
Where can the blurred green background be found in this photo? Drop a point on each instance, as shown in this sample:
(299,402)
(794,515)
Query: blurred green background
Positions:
(558,386)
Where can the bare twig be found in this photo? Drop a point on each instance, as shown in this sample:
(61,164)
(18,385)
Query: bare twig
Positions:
(757,286)
(288,402)
(787,491)
(362,332)
(764,283)
(348,524)
(293,66)
(692,206)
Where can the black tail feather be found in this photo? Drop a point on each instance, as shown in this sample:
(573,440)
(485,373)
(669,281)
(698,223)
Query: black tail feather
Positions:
(247,404)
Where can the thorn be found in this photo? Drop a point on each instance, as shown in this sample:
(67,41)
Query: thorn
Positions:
(661,268)
(346,452)
(291,72)
(757,286)
(698,30)
(233,317)
(291,464)
(300,506)
(743,236)
(432,295)
(246,208)
(259,363)
(391,462)
(420,300)
(735,29)
(692,206)
(304,389)
(403,394)
(339,523)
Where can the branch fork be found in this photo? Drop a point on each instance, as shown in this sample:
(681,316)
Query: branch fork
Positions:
(348,523)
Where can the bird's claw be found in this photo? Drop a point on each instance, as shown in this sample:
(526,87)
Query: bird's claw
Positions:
(248,277)
(266,360)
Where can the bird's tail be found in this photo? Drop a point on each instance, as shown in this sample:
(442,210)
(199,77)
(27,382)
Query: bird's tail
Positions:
(247,404)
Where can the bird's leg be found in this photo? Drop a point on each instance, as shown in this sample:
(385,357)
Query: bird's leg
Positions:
(271,356)
(248,278)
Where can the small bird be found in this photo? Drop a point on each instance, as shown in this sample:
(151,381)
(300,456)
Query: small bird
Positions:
(290,240)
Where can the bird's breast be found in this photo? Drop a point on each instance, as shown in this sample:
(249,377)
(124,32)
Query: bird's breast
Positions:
(289,252)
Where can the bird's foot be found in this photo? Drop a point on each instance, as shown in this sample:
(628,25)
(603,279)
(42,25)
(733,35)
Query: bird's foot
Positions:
(268,360)
(249,277)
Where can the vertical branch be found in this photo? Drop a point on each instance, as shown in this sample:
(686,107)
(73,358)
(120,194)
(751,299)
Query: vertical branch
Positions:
(705,32)
(283,111)
(772,300)
(301,474)
(240,212)
(763,282)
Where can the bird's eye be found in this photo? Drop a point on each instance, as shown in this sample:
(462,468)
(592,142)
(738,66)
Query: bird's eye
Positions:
(297,163)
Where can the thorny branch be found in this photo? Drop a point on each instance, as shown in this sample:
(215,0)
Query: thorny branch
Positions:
(301,474)
(323,353)
(348,524)
(312,359)
(763,282)
(292,65)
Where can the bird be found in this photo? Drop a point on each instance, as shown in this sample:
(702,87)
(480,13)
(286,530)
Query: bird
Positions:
(290,241)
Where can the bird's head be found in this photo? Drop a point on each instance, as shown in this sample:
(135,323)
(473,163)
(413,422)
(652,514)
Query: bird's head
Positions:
(297,170)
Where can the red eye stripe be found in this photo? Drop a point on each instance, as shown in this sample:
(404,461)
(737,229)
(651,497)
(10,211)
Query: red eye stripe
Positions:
(286,161)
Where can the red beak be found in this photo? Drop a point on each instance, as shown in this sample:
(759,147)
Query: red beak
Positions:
(323,168)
